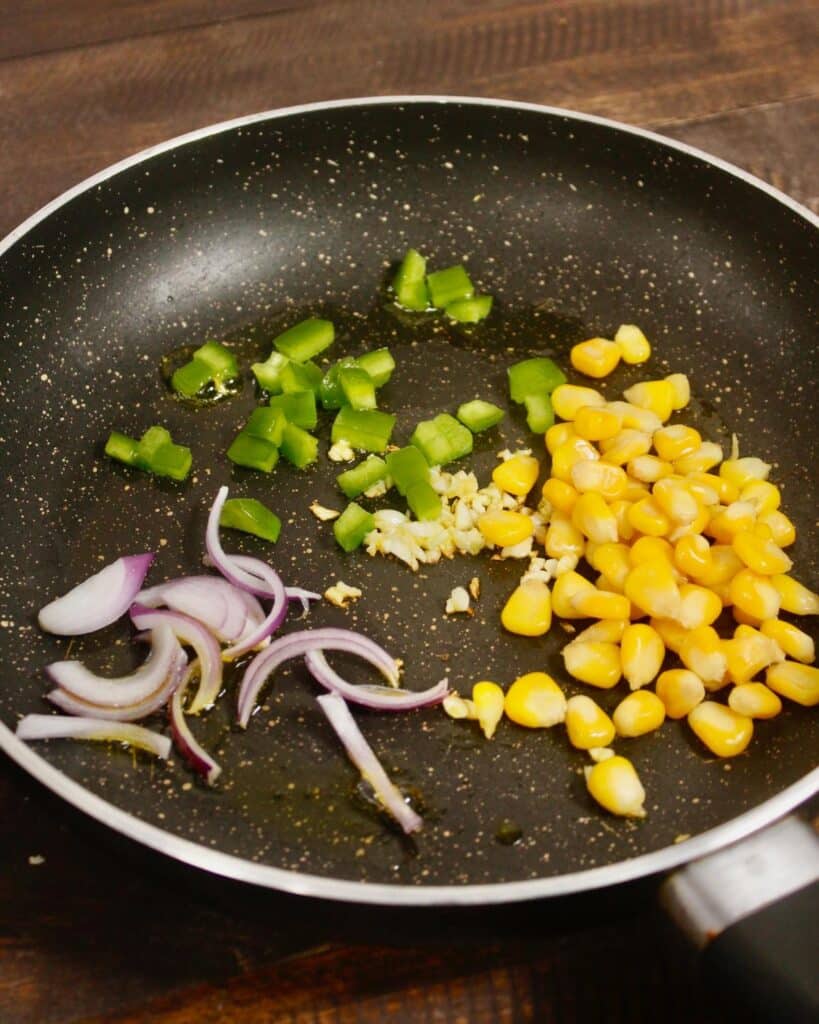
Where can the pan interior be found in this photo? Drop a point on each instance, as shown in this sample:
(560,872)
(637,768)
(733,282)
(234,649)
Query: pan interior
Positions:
(575,228)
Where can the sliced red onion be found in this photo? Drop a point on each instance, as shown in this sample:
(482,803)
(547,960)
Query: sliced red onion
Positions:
(295,644)
(362,756)
(99,600)
(304,596)
(256,568)
(211,600)
(132,713)
(192,633)
(123,691)
(46,727)
(275,617)
(184,740)
(380,698)
(228,565)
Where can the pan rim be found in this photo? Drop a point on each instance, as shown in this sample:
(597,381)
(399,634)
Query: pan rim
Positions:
(343,890)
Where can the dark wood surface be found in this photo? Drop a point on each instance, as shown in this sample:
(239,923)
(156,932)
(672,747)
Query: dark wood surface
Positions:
(92,930)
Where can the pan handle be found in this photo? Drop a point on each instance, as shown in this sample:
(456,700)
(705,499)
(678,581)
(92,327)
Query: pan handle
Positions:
(753,911)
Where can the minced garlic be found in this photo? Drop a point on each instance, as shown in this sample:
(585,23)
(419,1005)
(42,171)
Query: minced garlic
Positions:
(458,601)
(341,451)
(341,594)
(323,513)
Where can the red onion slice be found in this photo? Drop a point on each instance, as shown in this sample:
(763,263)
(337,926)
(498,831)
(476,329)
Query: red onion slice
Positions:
(184,740)
(211,600)
(275,617)
(99,600)
(123,691)
(301,595)
(192,633)
(47,727)
(362,756)
(294,645)
(75,706)
(379,698)
(228,565)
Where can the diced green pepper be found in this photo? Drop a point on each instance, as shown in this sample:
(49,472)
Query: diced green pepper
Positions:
(379,364)
(122,448)
(220,359)
(253,452)
(298,447)
(251,516)
(407,466)
(536,376)
(268,373)
(357,387)
(470,311)
(267,423)
(151,441)
(211,364)
(362,477)
(300,377)
(191,378)
(442,439)
(446,286)
(479,415)
(173,460)
(424,501)
(298,407)
(369,429)
(155,453)
(330,393)
(306,339)
(539,413)
(409,284)
(352,526)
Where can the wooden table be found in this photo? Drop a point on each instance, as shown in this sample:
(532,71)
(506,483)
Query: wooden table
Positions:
(91,929)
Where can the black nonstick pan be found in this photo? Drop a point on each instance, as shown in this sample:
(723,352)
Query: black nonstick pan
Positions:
(575,225)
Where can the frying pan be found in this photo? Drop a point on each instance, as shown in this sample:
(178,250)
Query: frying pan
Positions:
(575,224)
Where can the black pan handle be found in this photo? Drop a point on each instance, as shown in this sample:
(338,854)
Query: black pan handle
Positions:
(753,910)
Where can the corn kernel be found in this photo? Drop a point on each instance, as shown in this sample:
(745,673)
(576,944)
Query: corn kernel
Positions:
(563,538)
(658,396)
(517,475)
(671,633)
(620,509)
(601,604)
(504,529)
(641,654)
(633,344)
(607,481)
(792,640)
(754,700)
(610,559)
(596,424)
(783,532)
(727,522)
(743,471)
(743,619)
(459,707)
(597,357)
(648,469)
(675,441)
(565,588)
(635,492)
(587,724)
(535,701)
(762,556)
(754,594)
(560,433)
(639,713)
(652,587)
(528,612)
(797,682)
(488,699)
(702,651)
(700,460)
(794,597)
(681,388)
(595,520)
(726,491)
(680,690)
(625,446)
(725,732)
(644,549)
(646,516)
(569,399)
(748,652)
(635,418)
(608,631)
(565,456)
(615,785)
(593,662)
(702,489)
(699,606)
(675,499)
(692,556)
(763,495)
(560,495)
(725,564)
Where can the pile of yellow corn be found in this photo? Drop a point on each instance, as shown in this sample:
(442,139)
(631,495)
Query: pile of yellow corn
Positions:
(675,534)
